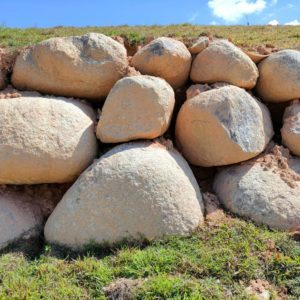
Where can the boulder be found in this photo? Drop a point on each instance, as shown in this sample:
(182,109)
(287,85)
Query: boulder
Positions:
(222,126)
(138,107)
(199,45)
(138,189)
(78,66)
(290,131)
(23,210)
(222,61)
(265,189)
(256,57)
(279,79)
(45,139)
(196,89)
(166,58)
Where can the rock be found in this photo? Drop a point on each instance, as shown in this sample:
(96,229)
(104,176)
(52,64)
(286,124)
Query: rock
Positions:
(290,131)
(279,79)
(199,45)
(222,126)
(256,57)
(166,58)
(45,139)
(138,107)
(135,190)
(23,209)
(222,61)
(79,66)
(265,189)
(196,89)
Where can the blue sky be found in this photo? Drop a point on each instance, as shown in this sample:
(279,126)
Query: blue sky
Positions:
(42,13)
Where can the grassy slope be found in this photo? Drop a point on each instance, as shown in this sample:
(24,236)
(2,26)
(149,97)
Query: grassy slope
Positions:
(218,261)
(280,36)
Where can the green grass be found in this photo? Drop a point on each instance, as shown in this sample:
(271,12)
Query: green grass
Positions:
(214,263)
(279,36)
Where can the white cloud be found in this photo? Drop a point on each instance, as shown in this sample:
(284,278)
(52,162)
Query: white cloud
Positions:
(273,23)
(194,16)
(293,23)
(234,10)
(273,2)
(290,5)
(214,23)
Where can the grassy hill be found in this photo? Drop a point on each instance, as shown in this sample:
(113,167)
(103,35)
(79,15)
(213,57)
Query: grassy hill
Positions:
(244,36)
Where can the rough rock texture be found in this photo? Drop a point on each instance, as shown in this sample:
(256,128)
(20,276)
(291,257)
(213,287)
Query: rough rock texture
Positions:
(290,131)
(265,189)
(222,126)
(164,57)
(222,61)
(80,66)
(23,209)
(196,89)
(199,45)
(138,107)
(279,78)
(45,139)
(136,189)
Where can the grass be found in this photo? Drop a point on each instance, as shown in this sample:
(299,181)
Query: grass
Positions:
(244,36)
(217,262)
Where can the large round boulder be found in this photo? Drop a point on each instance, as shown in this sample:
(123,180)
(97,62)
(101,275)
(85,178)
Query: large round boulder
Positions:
(290,131)
(222,126)
(279,77)
(166,58)
(139,189)
(138,107)
(222,61)
(265,189)
(45,139)
(23,210)
(78,66)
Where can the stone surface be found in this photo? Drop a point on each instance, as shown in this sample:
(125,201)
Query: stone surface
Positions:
(256,57)
(222,126)
(290,131)
(23,209)
(139,189)
(199,45)
(265,189)
(166,58)
(222,61)
(79,66)
(197,89)
(138,107)
(279,78)
(45,139)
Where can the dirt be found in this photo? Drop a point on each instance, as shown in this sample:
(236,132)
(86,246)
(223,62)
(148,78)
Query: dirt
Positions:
(9,93)
(214,214)
(122,289)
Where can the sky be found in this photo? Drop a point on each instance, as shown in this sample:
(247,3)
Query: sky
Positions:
(43,13)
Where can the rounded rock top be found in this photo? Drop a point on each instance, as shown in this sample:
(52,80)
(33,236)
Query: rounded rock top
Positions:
(138,107)
(166,58)
(138,189)
(279,79)
(221,61)
(45,139)
(222,126)
(78,66)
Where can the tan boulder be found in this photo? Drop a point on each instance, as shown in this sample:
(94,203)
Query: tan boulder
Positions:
(222,126)
(265,189)
(222,61)
(138,107)
(135,190)
(196,89)
(279,79)
(166,58)
(23,210)
(199,45)
(256,57)
(290,131)
(45,139)
(79,66)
